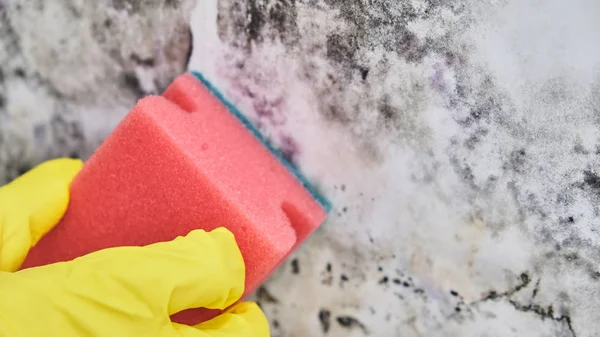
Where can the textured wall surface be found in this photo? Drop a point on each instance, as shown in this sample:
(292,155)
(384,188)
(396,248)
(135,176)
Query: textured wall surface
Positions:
(458,140)
(71,69)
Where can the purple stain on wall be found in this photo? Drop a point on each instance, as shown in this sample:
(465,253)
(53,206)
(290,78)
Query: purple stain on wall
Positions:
(262,108)
(289,147)
(437,80)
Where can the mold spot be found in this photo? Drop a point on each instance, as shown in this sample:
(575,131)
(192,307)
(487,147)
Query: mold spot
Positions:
(325,319)
(592,180)
(364,72)
(282,18)
(132,83)
(255,20)
(516,161)
(131,6)
(146,62)
(341,48)
(23,169)
(295,266)
(19,72)
(410,48)
(263,295)
(350,322)
(289,148)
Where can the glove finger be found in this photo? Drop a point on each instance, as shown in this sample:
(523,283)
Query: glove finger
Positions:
(242,320)
(202,269)
(31,205)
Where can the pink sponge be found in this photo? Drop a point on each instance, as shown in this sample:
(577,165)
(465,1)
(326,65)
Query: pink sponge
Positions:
(179,162)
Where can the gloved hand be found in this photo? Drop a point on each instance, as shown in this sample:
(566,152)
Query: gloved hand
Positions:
(125,291)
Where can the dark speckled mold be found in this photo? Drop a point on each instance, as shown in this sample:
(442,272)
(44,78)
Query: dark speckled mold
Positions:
(417,77)
(86,75)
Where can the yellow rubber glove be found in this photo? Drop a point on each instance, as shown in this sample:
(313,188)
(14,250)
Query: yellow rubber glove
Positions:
(125,291)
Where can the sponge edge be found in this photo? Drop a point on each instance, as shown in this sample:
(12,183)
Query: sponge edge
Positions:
(316,195)
(179,162)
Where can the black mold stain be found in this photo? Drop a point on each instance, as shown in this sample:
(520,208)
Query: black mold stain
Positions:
(341,48)
(524,279)
(188,55)
(173,3)
(327,275)
(335,113)
(263,295)
(543,312)
(370,26)
(289,148)
(282,18)
(566,220)
(19,72)
(63,130)
(24,169)
(10,38)
(132,83)
(516,161)
(255,14)
(410,48)
(295,266)
(592,180)
(146,62)
(488,102)
(364,72)
(253,20)
(386,110)
(325,319)
(536,289)
(131,6)
(350,322)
